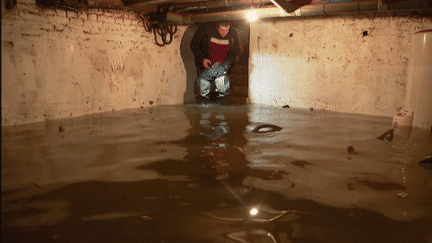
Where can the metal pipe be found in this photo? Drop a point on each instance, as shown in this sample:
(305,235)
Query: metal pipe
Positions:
(308,10)
(312,10)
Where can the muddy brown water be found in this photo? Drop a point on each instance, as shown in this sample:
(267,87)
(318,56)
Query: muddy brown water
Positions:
(193,173)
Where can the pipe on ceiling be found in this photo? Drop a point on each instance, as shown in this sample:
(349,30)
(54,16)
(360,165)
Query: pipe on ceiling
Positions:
(308,10)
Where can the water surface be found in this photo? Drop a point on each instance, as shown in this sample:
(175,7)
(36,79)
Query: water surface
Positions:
(193,173)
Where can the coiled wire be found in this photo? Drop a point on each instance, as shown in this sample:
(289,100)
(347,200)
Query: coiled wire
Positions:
(163,32)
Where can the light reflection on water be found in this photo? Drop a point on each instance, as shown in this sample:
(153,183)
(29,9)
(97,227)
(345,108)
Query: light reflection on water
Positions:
(194,172)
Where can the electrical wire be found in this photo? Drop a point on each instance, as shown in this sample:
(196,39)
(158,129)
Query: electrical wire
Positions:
(163,32)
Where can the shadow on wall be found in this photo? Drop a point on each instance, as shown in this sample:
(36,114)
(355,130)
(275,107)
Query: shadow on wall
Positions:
(189,63)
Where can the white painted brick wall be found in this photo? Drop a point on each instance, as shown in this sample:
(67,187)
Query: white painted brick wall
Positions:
(329,64)
(82,62)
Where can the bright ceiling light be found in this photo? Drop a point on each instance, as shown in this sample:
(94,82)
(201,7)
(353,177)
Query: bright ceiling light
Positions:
(254,211)
(252,15)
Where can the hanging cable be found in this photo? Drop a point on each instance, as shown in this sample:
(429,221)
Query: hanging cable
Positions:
(162,32)
(156,33)
(165,32)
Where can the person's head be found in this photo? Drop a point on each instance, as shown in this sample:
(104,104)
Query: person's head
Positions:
(223,28)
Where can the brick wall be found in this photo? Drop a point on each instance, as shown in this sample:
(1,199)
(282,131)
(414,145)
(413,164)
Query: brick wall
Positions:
(59,63)
(349,63)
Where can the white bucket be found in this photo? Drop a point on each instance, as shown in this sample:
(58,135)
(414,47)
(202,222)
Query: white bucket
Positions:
(403,119)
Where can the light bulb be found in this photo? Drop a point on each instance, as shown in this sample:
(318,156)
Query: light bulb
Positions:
(252,15)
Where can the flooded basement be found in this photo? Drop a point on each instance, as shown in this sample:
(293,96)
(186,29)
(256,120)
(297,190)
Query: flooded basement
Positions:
(209,173)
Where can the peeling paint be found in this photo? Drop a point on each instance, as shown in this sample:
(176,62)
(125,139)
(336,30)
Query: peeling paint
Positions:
(81,63)
(332,63)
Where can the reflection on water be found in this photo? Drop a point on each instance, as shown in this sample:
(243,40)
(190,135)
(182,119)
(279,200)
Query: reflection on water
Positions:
(201,174)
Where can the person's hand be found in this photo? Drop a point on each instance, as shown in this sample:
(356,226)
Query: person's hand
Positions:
(206,63)
(216,64)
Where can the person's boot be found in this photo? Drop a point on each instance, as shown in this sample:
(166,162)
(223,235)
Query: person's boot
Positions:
(201,100)
(221,98)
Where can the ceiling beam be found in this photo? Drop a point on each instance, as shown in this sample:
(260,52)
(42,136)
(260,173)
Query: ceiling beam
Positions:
(291,6)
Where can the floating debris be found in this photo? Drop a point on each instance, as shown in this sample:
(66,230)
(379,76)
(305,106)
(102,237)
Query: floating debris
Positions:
(404,118)
(273,128)
(426,163)
(61,129)
(402,194)
(146,217)
(311,109)
(39,186)
(350,149)
(286,106)
(387,136)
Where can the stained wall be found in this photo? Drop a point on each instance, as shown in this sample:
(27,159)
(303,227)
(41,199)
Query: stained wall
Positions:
(354,63)
(59,63)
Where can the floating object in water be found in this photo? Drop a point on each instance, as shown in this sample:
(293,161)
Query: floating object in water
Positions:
(402,194)
(39,186)
(61,129)
(311,109)
(350,149)
(273,128)
(147,218)
(404,118)
(427,163)
(286,106)
(387,136)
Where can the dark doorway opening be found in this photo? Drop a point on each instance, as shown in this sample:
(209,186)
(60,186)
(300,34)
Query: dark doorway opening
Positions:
(239,76)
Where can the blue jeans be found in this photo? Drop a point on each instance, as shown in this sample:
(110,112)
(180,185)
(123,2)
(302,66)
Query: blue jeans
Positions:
(219,76)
